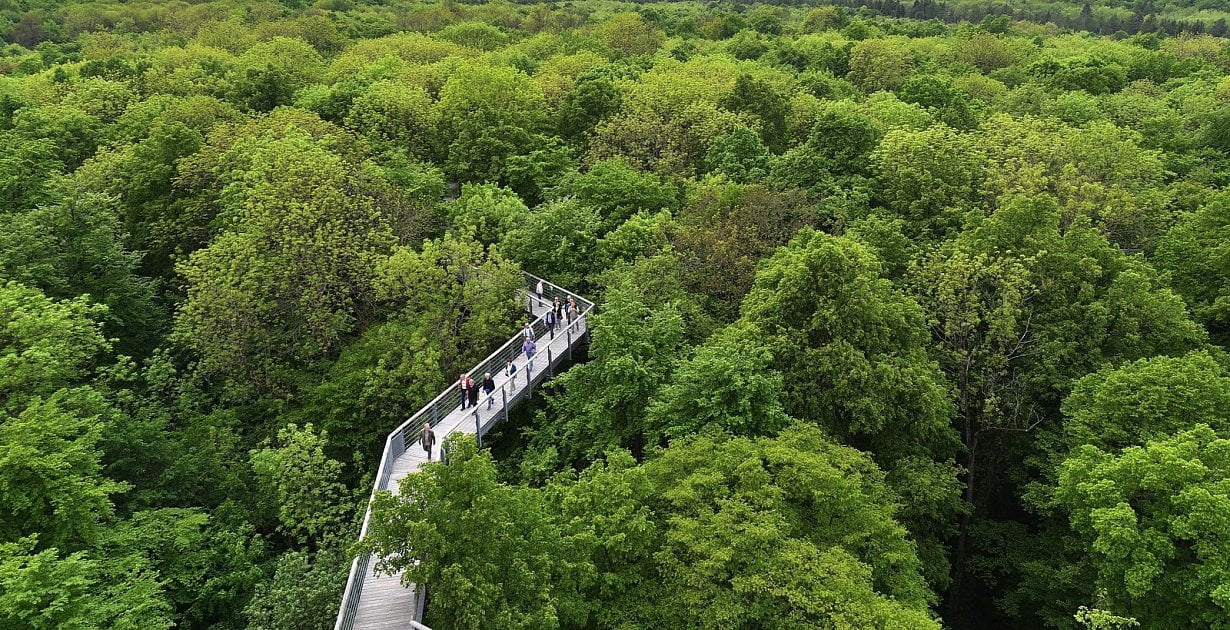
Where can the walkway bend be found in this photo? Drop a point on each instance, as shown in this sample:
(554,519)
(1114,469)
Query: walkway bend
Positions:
(375,602)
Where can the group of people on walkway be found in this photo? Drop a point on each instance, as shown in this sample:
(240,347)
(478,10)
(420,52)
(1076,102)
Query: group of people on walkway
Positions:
(558,313)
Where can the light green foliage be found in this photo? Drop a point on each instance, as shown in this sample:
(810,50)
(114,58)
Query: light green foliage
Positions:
(45,345)
(741,542)
(305,593)
(303,484)
(643,234)
(877,64)
(516,575)
(45,591)
(1153,519)
(288,277)
(73,133)
(486,114)
(556,241)
(1196,253)
(490,211)
(395,115)
(617,191)
(463,297)
(850,347)
(929,177)
(727,385)
(1147,400)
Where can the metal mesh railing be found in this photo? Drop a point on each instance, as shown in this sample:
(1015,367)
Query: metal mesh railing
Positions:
(442,405)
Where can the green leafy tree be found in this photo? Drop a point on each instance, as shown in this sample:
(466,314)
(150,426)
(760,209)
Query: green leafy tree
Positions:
(43,590)
(1196,254)
(929,177)
(768,108)
(463,299)
(1151,520)
(74,248)
(593,98)
(851,349)
(514,576)
(305,592)
(294,271)
(489,210)
(1146,400)
(556,241)
(740,155)
(312,505)
(50,462)
(728,385)
(741,545)
(617,191)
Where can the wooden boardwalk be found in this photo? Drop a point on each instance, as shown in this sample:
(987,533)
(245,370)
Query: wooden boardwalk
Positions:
(377,602)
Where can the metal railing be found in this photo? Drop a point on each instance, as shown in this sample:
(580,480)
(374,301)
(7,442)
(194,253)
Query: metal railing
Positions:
(407,432)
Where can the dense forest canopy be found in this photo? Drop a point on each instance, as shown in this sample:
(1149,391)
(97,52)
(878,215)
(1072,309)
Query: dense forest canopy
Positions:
(910,315)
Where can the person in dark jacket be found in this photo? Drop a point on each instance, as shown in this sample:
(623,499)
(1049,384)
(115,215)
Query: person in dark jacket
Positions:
(489,388)
(463,383)
(427,438)
(473,392)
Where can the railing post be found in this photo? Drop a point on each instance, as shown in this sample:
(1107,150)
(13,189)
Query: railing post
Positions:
(478,430)
(529,381)
(504,395)
(550,368)
(435,415)
(569,345)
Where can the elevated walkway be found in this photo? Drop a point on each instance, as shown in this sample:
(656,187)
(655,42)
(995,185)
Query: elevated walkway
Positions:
(376,602)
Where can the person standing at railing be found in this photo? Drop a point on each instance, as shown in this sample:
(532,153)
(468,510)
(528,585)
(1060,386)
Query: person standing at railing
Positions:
(511,372)
(573,312)
(528,347)
(427,438)
(489,388)
(464,384)
(550,319)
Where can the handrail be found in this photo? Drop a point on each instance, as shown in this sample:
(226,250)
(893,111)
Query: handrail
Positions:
(359,566)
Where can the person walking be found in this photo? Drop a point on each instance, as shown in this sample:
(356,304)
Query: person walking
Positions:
(427,438)
(489,388)
(528,347)
(473,392)
(541,292)
(527,331)
(463,384)
(558,307)
(511,372)
(550,319)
